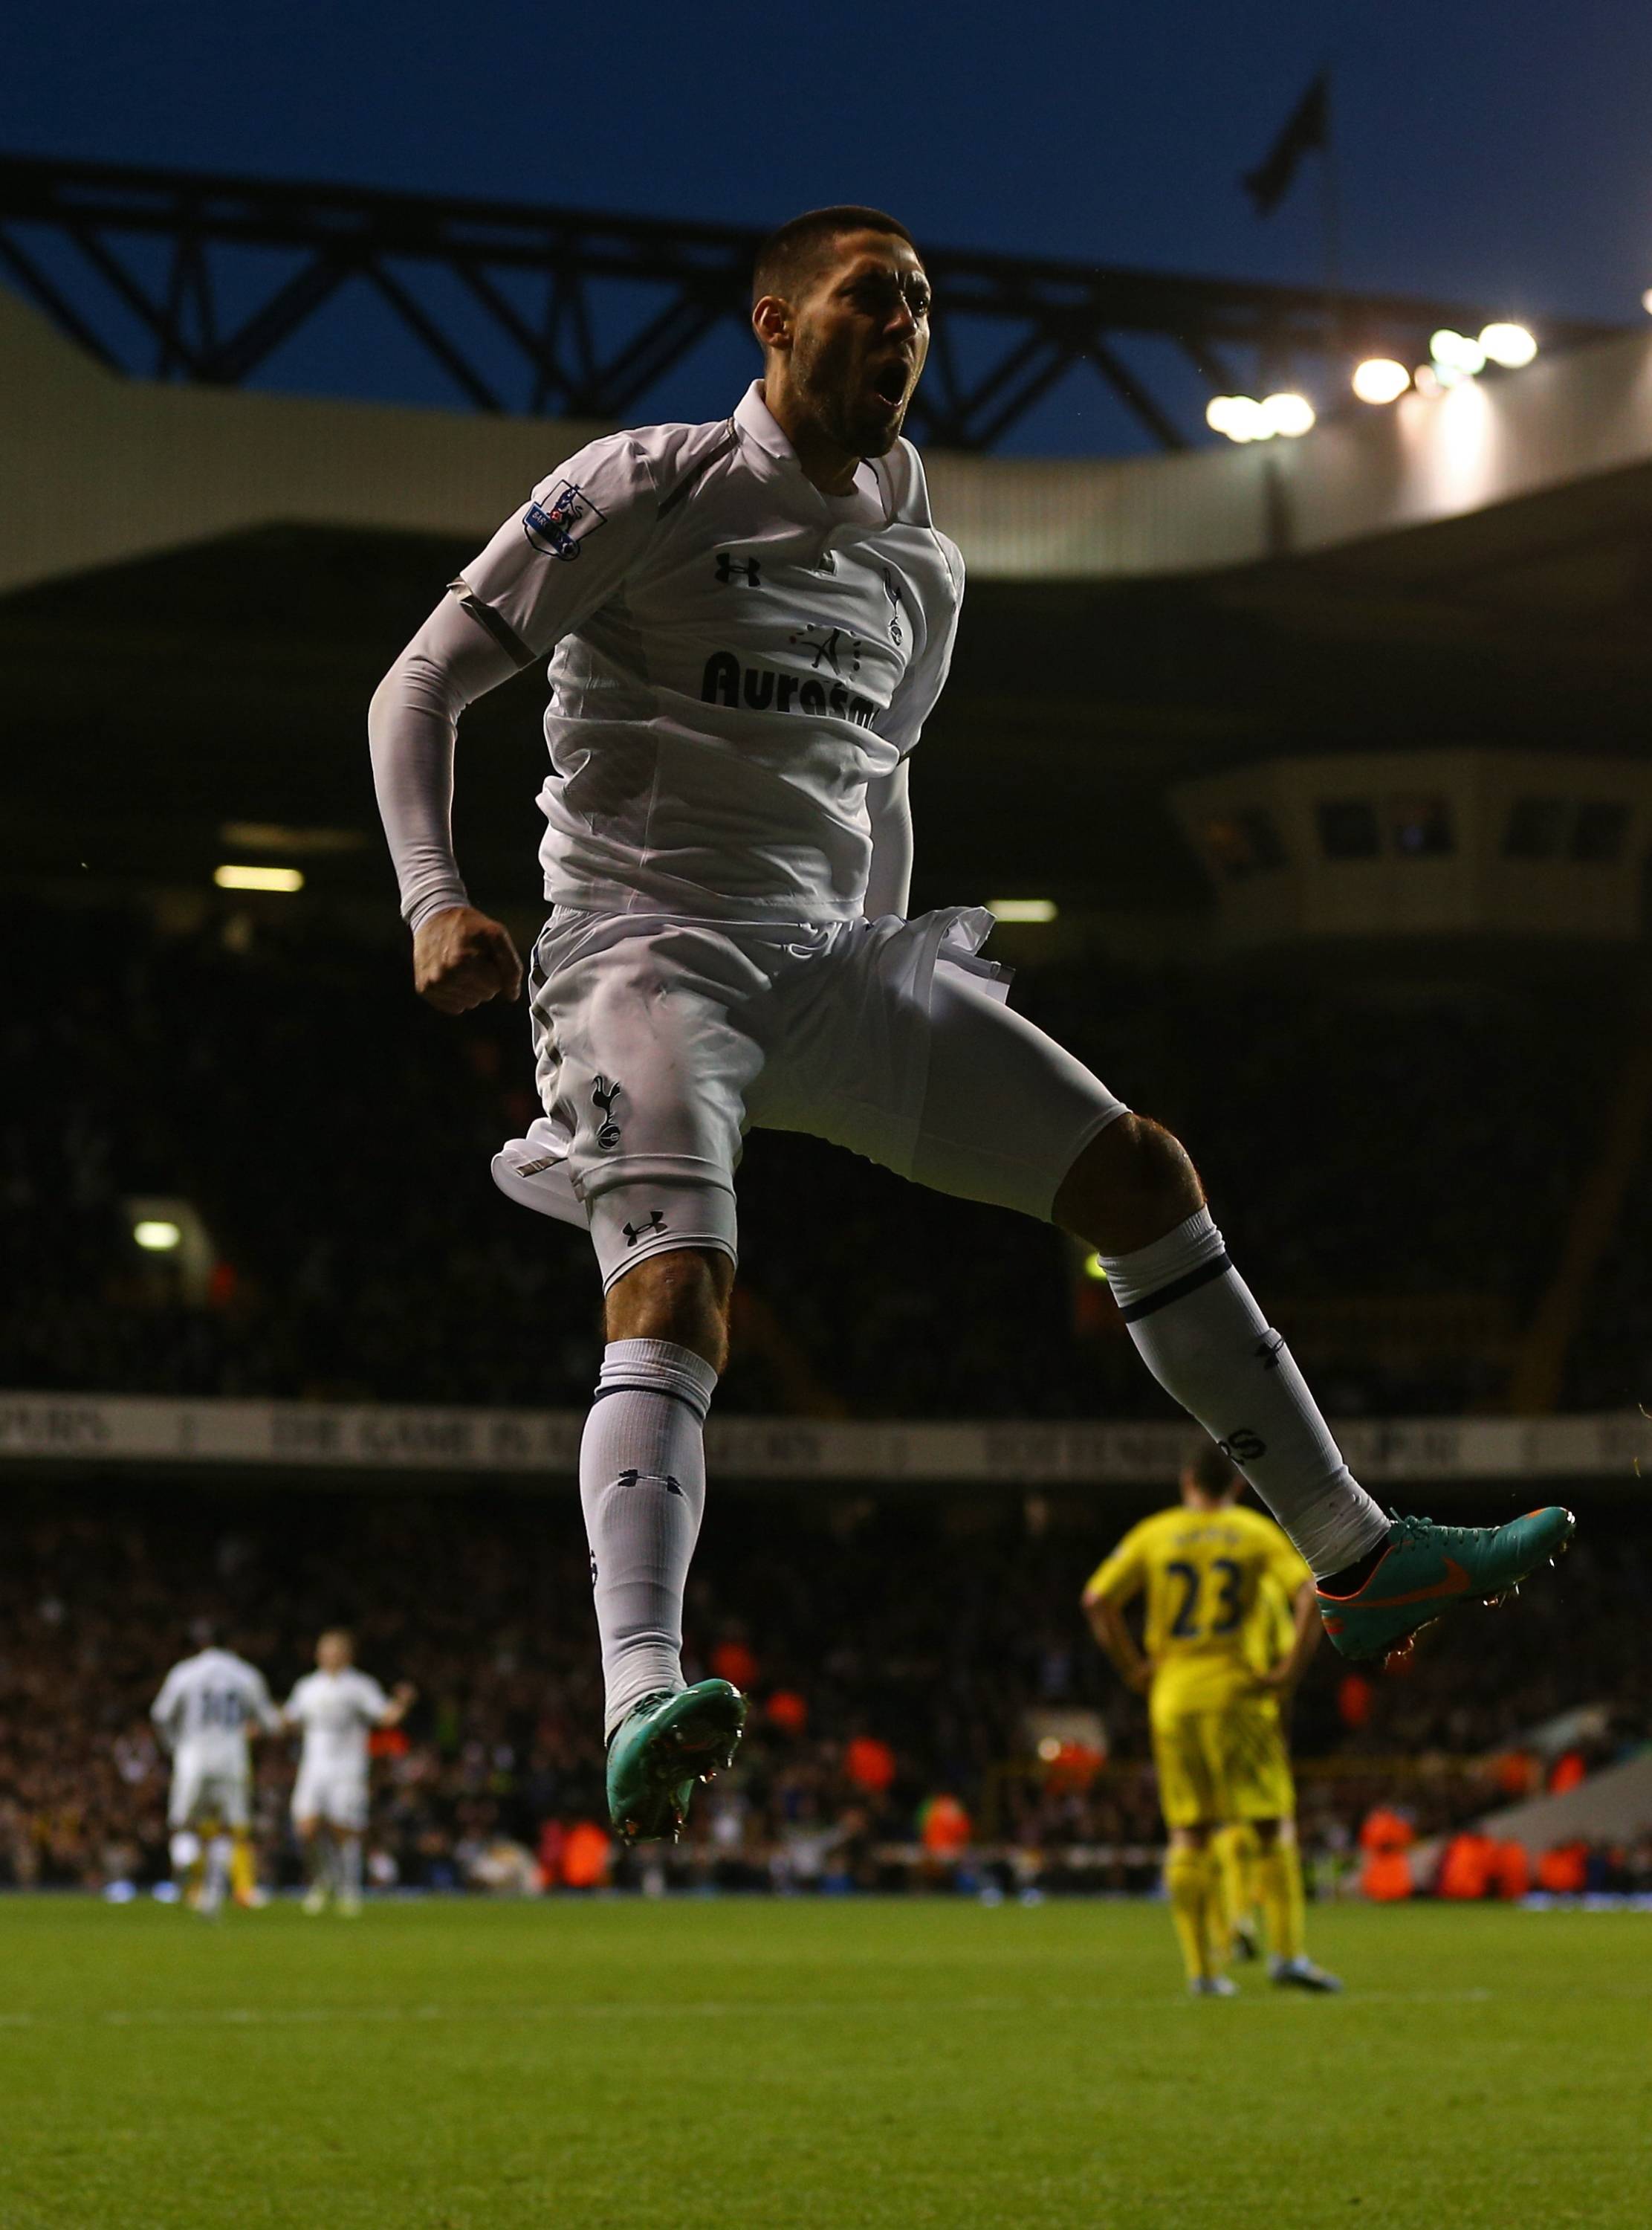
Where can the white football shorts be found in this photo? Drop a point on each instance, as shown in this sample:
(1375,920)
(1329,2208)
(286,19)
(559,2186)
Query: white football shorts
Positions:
(658,1042)
(340,1798)
(205,1788)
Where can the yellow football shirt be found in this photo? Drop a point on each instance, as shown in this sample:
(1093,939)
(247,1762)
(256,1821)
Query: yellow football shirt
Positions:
(1216,1583)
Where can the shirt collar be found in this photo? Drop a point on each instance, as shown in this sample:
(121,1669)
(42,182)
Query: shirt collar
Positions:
(753,415)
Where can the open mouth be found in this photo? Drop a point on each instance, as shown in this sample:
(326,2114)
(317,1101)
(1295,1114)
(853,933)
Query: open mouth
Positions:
(890,383)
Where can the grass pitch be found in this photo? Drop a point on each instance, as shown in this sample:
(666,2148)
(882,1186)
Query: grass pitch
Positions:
(722,2066)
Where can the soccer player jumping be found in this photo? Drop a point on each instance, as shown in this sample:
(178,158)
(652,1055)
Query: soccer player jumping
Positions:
(748,623)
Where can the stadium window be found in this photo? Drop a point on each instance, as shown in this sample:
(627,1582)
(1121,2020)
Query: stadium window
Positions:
(1536,830)
(1244,843)
(1600,830)
(1348,829)
(1421,827)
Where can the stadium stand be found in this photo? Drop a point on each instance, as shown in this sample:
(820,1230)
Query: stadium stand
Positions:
(896,1647)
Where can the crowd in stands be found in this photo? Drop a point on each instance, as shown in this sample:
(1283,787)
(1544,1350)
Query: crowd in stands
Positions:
(901,1652)
(334,1135)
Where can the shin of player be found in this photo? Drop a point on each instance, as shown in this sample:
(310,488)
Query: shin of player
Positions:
(336,1706)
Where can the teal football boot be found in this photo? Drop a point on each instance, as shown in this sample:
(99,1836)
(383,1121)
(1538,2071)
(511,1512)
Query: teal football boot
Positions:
(665,1744)
(1426,1569)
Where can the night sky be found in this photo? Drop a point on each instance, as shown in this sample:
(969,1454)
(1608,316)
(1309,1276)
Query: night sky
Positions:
(1500,153)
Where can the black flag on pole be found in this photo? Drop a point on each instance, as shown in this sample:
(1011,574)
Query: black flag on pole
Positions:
(1308,127)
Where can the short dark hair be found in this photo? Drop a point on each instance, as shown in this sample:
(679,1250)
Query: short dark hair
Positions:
(790,253)
(1211,1471)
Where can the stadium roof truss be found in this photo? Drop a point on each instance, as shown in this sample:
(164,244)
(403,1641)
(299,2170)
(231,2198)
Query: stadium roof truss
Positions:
(177,275)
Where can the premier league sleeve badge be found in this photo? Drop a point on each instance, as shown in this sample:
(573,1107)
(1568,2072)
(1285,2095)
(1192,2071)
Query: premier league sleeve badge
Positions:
(559,523)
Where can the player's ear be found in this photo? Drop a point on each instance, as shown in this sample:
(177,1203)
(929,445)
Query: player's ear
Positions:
(771,320)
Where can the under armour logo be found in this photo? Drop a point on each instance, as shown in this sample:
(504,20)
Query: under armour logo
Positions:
(730,568)
(633,1232)
(1242,1446)
(603,1095)
(1269,1349)
(630,1478)
(827,644)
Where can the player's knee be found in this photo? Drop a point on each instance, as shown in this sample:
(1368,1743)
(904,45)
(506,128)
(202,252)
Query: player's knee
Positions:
(682,1297)
(1132,1182)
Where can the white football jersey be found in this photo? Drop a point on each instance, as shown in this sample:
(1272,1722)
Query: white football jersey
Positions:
(735,657)
(336,1710)
(207,1702)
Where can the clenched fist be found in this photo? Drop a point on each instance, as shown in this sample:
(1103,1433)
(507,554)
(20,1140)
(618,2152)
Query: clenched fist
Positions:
(462,959)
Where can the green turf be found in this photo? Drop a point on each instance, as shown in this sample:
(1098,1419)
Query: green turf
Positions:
(812,2066)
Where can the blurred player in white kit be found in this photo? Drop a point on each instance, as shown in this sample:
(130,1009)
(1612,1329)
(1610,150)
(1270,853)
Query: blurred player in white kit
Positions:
(207,1704)
(337,1705)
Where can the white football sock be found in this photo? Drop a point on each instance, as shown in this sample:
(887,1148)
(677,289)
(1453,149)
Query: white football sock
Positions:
(642,1484)
(350,1865)
(1208,1344)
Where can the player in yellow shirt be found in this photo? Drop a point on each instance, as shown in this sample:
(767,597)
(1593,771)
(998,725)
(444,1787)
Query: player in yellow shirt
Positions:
(1215,1578)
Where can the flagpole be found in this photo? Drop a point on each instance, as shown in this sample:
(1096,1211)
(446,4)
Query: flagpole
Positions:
(1331,223)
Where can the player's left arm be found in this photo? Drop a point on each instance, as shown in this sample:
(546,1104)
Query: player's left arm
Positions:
(889,886)
(1304,1642)
(397,1705)
(268,1715)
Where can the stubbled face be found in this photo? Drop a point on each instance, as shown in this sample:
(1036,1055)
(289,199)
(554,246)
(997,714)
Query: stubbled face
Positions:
(860,331)
(332,1653)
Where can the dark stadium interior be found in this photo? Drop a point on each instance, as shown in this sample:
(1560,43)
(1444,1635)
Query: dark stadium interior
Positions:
(279,1075)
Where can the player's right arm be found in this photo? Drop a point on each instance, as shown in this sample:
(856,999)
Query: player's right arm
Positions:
(164,1709)
(548,567)
(1115,1583)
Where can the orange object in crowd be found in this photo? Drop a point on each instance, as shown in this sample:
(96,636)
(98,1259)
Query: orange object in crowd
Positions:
(732,1660)
(1386,1830)
(388,1741)
(1514,1773)
(870,1764)
(1466,1869)
(788,1709)
(1564,1872)
(1385,1877)
(587,1851)
(1354,1698)
(1567,1772)
(944,1827)
(1511,1873)
(1072,1768)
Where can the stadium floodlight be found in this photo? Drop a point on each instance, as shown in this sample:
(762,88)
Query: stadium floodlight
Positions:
(1022,909)
(258,879)
(1241,418)
(1379,379)
(1508,345)
(1288,414)
(158,1237)
(1646,301)
(1095,1268)
(1455,352)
